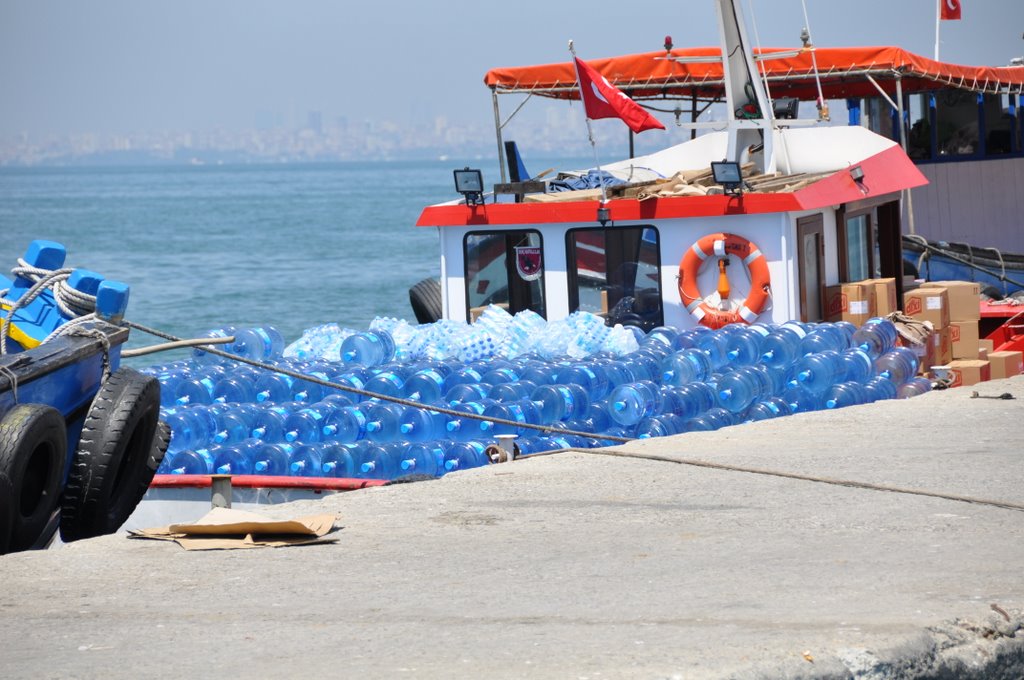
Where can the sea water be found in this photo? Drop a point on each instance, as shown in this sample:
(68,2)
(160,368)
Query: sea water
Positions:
(207,246)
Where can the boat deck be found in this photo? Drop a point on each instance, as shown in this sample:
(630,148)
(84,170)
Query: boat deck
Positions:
(584,565)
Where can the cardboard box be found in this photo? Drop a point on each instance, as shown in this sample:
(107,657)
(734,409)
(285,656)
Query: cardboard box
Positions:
(885,297)
(969,372)
(963,335)
(1006,364)
(928,304)
(853,302)
(983,353)
(987,345)
(943,346)
(964,300)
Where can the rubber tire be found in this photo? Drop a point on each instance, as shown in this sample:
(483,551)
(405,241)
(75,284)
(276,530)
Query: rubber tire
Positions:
(6,513)
(113,465)
(33,454)
(425,298)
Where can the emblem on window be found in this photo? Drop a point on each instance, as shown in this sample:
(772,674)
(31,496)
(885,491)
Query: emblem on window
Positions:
(529,262)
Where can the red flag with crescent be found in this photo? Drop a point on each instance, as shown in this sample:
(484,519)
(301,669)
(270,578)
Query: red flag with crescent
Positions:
(950,10)
(601,99)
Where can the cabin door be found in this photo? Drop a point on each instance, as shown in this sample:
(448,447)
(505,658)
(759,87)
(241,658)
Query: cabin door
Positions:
(810,235)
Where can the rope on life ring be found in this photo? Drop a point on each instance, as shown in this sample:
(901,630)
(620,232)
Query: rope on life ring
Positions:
(722,245)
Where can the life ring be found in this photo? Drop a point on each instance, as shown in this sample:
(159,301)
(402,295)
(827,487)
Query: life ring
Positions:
(722,245)
(33,453)
(116,456)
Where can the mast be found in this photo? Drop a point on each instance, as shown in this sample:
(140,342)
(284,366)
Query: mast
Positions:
(750,118)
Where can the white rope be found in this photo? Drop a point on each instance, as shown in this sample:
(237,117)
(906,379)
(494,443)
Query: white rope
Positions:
(72,303)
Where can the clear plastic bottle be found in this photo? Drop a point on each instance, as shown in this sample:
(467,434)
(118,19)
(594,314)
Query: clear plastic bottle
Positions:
(276,388)
(512,391)
(590,376)
(237,388)
(196,390)
(685,366)
(823,338)
(713,419)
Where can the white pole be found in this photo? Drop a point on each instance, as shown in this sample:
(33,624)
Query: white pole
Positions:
(590,132)
(938,20)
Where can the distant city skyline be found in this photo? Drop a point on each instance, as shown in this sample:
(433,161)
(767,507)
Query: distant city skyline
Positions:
(119,68)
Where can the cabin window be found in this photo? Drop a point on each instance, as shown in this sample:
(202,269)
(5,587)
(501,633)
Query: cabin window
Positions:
(956,113)
(504,268)
(880,118)
(919,137)
(998,124)
(615,273)
(856,248)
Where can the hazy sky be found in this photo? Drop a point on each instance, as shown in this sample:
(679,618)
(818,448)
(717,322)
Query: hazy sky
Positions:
(107,66)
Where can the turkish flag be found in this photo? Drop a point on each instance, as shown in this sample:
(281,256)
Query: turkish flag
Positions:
(601,99)
(950,10)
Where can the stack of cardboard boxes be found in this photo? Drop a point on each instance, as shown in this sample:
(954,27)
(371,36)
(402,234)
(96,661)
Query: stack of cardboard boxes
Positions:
(858,302)
(952,308)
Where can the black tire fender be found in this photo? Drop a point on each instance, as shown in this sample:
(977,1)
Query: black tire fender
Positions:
(33,454)
(114,463)
(425,298)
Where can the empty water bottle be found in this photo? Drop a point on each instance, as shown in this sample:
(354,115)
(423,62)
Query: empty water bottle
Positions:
(591,376)
(782,345)
(425,386)
(685,366)
(632,402)
(465,455)
(880,388)
(464,392)
(913,388)
(383,422)
(195,391)
(203,357)
(306,461)
(712,419)
(369,348)
(876,337)
(261,343)
(306,425)
(846,394)
(465,429)
(379,461)
(561,402)
(268,423)
(191,462)
(523,411)
(818,372)
(422,459)
(276,388)
(769,408)
(898,365)
(857,366)
(235,425)
(740,388)
(745,344)
(688,401)
(512,391)
(419,425)
(237,388)
(271,459)
(236,459)
(188,430)
(346,425)
(338,460)
(824,337)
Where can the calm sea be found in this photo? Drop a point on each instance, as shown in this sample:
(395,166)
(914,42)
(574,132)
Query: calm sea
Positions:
(289,245)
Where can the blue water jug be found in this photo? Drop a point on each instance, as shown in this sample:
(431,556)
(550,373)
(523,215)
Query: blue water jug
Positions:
(465,455)
(823,338)
(422,459)
(782,346)
(511,391)
(466,429)
(632,402)
(685,366)
(688,401)
(262,343)
(522,411)
(379,461)
(338,460)
(191,462)
(898,365)
(913,388)
(425,386)
(818,372)
(235,425)
(876,337)
(383,422)
(236,459)
(188,430)
(196,390)
(306,425)
(745,344)
(369,348)
(419,425)
(272,459)
(800,399)
(766,409)
(203,357)
(712,419)
(237,388)
(740,388)
(591,376)
(716,346)
(561,402)
(464,392)
(306,461)
(857,366)
(346,424)
(268,423)
(846,394)
(880,388)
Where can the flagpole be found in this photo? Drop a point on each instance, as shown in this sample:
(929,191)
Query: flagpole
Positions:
(938,21)
(590,131)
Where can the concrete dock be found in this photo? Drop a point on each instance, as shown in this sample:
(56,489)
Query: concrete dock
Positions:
(581,565)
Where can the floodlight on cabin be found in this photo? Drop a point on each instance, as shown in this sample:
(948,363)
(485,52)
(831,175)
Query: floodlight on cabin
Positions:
(728,174)
(470,183)
(785,108)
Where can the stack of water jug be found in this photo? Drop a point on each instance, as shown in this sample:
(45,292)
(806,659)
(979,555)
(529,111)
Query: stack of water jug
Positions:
(573,375)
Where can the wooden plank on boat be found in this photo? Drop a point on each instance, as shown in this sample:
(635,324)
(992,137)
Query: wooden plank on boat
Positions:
(564,196)
(520,188)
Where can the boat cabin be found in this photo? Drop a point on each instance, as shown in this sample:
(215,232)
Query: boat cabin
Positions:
(812,205)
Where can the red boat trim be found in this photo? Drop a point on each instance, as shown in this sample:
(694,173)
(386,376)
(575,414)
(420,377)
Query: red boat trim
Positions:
(268,482)
(887,172)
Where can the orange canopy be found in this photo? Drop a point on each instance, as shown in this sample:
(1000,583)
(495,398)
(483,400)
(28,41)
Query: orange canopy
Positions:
(842,70)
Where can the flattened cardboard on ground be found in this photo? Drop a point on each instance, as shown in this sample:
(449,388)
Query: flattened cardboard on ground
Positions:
(227,529)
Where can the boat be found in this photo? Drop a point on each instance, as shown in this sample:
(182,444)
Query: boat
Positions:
(79,434)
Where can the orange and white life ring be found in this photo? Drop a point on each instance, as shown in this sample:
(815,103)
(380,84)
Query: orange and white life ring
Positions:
(722,245)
